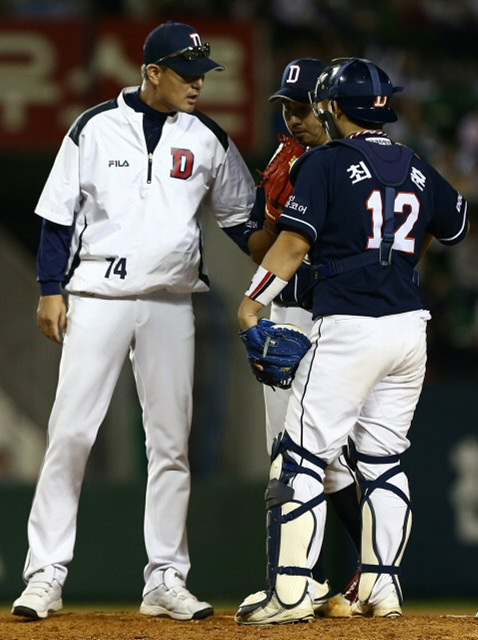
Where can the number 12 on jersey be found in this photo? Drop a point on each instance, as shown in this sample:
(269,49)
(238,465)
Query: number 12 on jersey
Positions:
(117,267)
(405,203)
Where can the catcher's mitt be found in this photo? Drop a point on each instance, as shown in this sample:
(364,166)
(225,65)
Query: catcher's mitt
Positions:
(277,349)
(275,177)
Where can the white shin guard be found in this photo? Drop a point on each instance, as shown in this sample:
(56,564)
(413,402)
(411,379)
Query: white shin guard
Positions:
(295,538)
(291,523)
(386,525)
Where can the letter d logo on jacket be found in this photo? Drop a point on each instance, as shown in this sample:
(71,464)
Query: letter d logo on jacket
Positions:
(183,162)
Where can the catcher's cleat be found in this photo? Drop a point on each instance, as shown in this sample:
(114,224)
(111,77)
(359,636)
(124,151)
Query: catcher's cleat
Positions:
(173,600)
(259,609)
(41,597)
(340,605)
(389,607)
(322,594)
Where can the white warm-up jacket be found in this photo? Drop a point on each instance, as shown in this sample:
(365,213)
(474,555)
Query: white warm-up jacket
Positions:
(137,216)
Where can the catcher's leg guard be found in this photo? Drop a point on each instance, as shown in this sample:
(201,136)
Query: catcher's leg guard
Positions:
(291,528)
(386,525)
(291,523)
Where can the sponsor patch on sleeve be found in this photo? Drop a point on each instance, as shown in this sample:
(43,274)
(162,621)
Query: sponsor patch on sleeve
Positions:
(296,204)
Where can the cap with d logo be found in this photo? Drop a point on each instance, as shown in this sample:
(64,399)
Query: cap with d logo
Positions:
(299,77)
(179,46)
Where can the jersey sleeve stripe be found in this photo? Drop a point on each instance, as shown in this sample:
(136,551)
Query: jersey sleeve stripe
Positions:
(299,223)
(460,232)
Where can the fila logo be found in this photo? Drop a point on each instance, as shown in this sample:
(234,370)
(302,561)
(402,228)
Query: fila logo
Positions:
(294,72)
(118,163)
(196,39)
(380,101)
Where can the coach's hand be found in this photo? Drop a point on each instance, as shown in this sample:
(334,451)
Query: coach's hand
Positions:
(51,317)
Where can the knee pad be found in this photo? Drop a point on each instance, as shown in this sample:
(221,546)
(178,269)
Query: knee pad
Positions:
(373,563)
(291,523)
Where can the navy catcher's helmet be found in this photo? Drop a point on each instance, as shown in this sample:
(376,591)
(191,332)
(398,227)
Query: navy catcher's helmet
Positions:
(362,89)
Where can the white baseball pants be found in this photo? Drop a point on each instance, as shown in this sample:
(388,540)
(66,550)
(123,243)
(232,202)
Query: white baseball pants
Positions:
(338,475)
(158,332)
(362,377)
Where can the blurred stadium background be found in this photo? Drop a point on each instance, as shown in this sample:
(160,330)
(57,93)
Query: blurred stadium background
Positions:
(58,57)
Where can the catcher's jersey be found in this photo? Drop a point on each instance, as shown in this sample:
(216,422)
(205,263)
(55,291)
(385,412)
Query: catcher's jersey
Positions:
(137,215)
(339,202)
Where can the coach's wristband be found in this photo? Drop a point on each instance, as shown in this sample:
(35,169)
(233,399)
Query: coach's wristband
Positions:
(265,286)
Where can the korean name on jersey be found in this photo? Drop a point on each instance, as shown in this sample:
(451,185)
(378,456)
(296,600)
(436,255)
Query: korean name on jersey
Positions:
(338,202)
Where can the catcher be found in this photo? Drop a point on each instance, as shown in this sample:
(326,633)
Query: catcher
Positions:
(298,78)
(363,208)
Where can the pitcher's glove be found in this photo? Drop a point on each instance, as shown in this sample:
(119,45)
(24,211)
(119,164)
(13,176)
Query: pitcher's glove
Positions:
(277,349)
(275,177)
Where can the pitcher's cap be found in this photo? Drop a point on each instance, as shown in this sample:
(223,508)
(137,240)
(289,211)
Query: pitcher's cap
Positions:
(299,77)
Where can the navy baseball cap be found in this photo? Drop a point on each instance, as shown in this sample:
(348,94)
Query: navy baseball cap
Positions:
(299,77)
(180,47)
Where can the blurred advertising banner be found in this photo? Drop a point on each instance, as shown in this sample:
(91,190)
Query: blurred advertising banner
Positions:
(51,71)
